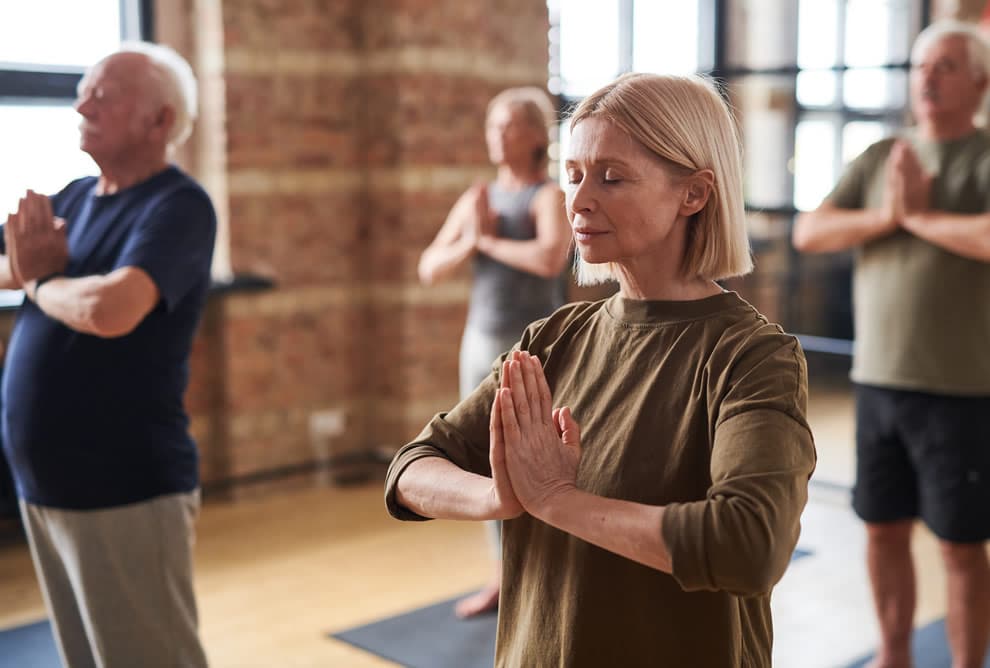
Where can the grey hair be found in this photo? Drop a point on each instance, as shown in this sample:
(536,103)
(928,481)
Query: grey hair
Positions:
(176,83)
(976,43)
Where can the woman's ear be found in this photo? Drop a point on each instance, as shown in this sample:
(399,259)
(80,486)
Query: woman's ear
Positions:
(698,189)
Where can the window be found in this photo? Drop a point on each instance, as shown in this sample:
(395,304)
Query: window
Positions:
(812,82)
(45,46)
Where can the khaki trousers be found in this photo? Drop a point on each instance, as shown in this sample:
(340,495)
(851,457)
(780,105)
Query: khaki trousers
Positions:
(118,582)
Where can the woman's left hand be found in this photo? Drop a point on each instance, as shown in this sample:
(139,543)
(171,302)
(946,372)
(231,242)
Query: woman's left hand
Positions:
(542,445)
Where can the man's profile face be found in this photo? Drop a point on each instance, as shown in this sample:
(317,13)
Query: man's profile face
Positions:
(113,102)
(943,82)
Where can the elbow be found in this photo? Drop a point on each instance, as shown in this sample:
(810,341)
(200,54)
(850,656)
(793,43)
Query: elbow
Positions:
(553,265)
(754,571)
(426,277)
(426,271)
(800,237)
(108,322)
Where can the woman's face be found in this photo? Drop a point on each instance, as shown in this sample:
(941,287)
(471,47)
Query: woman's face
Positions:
(511,137)
(622,202)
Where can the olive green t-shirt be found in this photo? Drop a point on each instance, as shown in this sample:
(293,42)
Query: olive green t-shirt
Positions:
(922,313)
(698,406)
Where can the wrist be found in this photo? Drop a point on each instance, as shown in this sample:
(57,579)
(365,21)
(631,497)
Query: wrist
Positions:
(553,506)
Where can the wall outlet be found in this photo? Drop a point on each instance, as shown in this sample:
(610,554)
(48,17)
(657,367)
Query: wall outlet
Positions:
(326,423)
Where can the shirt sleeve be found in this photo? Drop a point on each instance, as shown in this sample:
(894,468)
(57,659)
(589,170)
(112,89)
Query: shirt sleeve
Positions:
(741,536)
(173,244)
(850,191)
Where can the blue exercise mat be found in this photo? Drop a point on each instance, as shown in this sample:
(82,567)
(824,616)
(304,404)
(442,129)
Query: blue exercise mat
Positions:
(29,646)
(433,637)
(929,648)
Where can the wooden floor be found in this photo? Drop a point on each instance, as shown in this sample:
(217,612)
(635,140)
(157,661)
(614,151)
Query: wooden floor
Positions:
(278,572)
(275,574)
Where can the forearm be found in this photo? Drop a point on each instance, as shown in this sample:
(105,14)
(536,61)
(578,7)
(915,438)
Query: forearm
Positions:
(7,280)
(962,234)
(632,530)
(831,230)
(437,488)
(532,256)
(78,303)
(440,262)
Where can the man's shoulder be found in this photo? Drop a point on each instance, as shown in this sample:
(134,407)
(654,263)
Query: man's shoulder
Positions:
(174,188)
(878,151)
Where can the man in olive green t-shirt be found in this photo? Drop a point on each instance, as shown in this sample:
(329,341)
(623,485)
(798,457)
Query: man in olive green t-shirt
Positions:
(917,210)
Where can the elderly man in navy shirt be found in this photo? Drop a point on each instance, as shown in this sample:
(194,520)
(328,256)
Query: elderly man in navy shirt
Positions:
(115,270)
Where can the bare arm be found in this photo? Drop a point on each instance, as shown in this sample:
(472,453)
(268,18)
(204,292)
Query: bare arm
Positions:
(107,306)
(632,530)
(7,280)
(962,234)
(452,247)
(546,254)
(828,228)
(436,487)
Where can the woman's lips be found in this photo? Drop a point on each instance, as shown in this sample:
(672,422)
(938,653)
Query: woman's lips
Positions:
(587,233)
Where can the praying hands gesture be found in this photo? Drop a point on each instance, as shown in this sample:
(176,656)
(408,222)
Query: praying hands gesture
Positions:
(35,239)
(535,449)
(908,185)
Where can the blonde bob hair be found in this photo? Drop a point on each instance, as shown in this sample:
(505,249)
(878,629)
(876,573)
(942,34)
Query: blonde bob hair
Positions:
(685,123)
(536,109)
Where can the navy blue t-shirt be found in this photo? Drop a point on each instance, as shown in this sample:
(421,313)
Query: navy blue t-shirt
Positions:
(92,422)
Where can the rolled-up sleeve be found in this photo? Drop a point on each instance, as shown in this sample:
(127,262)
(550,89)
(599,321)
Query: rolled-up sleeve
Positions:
(741,537)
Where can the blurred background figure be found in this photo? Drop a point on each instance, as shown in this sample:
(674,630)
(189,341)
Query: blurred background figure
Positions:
(514,233)
(917,208)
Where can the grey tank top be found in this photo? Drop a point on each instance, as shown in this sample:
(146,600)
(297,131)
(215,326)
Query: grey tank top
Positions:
(503,299)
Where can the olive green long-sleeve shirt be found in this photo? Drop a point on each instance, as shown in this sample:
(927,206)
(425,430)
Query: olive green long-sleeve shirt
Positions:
(698,406)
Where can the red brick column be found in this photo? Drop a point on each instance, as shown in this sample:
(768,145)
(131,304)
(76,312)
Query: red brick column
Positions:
(335,137)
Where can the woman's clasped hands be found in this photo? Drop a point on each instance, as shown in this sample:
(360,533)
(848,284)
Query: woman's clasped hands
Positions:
(535,448)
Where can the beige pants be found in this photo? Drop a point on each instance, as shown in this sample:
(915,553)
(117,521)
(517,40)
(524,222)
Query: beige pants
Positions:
(118,582)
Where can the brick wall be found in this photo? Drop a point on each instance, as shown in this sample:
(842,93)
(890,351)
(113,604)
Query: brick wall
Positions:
(334,137)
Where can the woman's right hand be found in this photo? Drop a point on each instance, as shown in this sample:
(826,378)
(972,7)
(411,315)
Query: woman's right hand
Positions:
(505,505)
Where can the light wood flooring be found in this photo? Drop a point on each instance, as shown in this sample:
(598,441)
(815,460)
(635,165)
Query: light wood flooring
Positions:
(277,572)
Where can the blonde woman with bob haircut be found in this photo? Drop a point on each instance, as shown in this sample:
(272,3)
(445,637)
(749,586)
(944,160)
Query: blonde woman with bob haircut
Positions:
(649,453)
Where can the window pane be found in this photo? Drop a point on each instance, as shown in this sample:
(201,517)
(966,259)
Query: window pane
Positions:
(765,107)
(589,45)
(665,37)
(875,89)
(72,33)
(857,137)
(45,143)
(878,31)
(814,163)
(761,33)
(818,24)
(816,89)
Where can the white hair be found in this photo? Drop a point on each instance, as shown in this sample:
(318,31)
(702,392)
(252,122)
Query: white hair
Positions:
(976,43)
(176,83)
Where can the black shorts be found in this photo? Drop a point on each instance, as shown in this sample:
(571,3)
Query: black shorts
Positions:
(924,455)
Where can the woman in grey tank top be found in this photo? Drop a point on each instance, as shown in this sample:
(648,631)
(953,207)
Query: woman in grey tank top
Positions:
(514,233)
